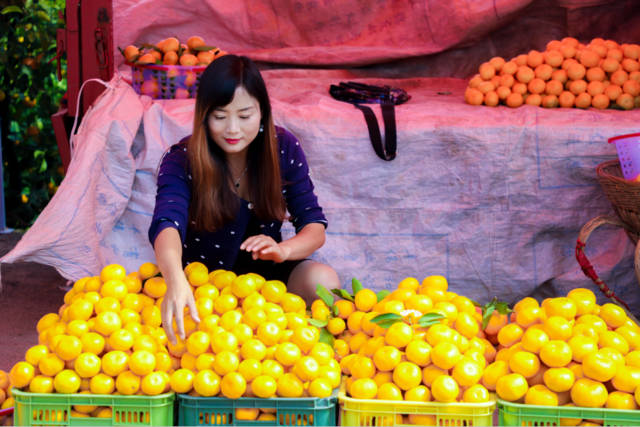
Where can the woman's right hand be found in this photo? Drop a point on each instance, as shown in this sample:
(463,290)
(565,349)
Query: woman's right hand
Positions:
(178,296)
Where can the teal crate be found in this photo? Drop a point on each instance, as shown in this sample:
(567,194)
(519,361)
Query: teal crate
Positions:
(55,409)
(220,411)
(518,414)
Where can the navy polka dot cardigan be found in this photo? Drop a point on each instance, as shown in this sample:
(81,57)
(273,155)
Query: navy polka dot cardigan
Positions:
(219,249)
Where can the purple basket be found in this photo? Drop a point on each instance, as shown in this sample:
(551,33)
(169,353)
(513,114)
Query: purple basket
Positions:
(166,81)
(628,147)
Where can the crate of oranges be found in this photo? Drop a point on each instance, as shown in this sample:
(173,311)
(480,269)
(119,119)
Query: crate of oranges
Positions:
(169,69)
(568,360)
(101,359)
(413,355)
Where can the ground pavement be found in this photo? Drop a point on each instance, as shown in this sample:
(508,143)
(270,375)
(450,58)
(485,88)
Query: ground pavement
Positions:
(29,290)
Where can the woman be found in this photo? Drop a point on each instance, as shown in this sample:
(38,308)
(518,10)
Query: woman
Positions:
(224,191)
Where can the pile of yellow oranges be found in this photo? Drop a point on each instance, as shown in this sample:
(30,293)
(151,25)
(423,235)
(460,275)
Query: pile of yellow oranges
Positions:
(567,74)
(398,358)
(6,401)
(171,51)
(253,339)
(568,351)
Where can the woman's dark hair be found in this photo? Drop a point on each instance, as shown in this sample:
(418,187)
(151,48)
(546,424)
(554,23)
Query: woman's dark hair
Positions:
(213,200)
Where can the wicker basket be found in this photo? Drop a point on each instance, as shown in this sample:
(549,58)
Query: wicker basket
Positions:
(624,196)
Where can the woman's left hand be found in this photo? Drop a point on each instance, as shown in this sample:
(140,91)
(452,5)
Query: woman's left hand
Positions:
(265,248)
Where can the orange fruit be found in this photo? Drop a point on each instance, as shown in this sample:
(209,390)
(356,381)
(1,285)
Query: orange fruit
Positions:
(445,389)
(142,362)
(153,383)
(417,394)
(599,366)
(613,340)
(365,299)
(445,355)
(363,388)
(305,337)
(467,372)
(39,384)
(557,328)
(555,354)
(114,362)
(49,365)
(627,379)
(264,386)
(510,334)
(399,335)
(225,362)
(66,381)
(87,365)
(274,369)
(533,339)
(389,391)
(621,400)
(493,372)
(540,395)
(559,379)
(588,393)
(206,383)
(68,347)
(181,380)
(524,363)
(613,315)
(287,353)
(406,375)
(127,383)
(102,384)
(21,374)
(112,272)
(511,387)
(418,352)
(306,368)
(581,346)
(292,303)
(114,288)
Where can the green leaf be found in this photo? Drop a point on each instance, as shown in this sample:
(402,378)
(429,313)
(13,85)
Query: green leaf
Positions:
(486,315)
(386,317)
(38,153)
(324,295)
(342,294)
(326,337)
(43,166)
(43,16)
(204,48)
(430,319)
(387,323)
(11,9)
(356,286)
(476,303)
(503,307)
(335,310)
(317,323)
(382,294)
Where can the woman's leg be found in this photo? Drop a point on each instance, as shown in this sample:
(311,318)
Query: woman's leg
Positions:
(307,275)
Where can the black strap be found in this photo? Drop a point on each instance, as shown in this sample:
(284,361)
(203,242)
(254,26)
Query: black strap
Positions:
(359,93)
(388,152)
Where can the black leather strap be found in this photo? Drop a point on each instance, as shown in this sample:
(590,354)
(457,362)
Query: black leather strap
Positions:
(388,151)
(359,94)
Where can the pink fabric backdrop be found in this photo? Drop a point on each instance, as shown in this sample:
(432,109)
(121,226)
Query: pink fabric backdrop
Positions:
(424,38)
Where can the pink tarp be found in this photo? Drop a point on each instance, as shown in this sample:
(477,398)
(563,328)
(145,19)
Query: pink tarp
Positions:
(493,198)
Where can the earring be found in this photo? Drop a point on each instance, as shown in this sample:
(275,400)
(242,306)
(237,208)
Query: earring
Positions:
(261,128)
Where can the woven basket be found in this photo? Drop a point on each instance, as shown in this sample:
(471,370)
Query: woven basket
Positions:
(624,196)
(166,81)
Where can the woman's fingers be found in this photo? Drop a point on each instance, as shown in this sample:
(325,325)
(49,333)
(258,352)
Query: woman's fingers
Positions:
(167,317)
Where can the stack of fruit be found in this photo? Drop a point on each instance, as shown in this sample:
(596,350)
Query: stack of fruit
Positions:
(171,52)
(568,351)
(253,339)
(567,74)
(105,338)
(419,343)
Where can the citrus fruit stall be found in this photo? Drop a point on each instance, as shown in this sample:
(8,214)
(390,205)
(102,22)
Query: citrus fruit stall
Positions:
(419,354)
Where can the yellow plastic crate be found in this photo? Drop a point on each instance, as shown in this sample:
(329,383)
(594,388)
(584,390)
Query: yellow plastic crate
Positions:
(364,412)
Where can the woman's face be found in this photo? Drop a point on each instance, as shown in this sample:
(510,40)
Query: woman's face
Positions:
(235,125)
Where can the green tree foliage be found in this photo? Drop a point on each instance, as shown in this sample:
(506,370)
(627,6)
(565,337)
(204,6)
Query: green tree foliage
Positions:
(29,94)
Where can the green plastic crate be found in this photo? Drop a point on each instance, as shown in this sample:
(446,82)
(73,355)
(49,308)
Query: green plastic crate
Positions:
(377,412)
(220,411)
(517,414)
(55,409)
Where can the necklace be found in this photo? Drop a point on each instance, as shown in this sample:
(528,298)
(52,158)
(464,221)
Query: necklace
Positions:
(236,183)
